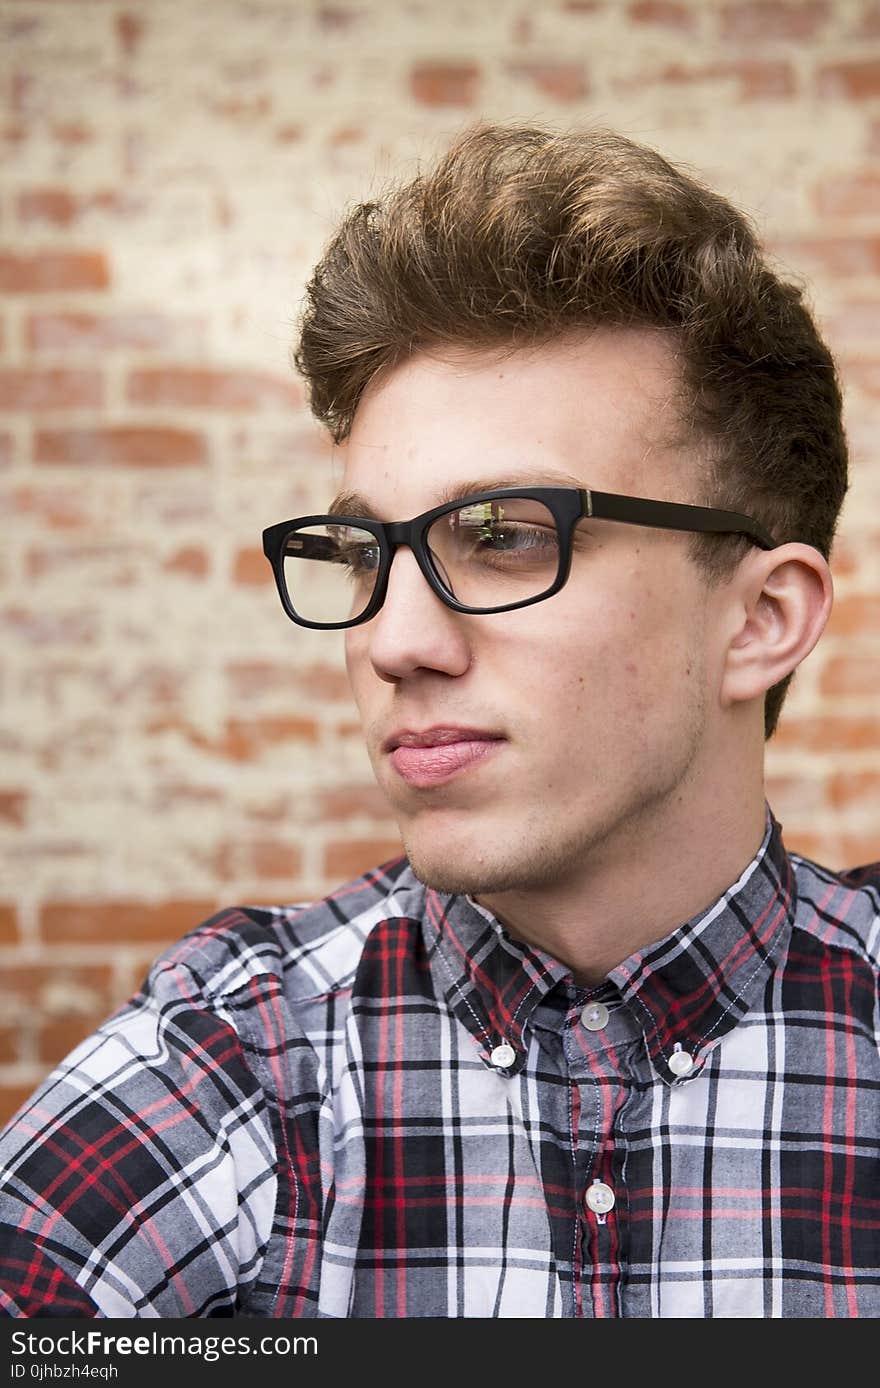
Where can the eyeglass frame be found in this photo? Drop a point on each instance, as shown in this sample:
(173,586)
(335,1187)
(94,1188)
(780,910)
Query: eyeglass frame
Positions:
(567,505)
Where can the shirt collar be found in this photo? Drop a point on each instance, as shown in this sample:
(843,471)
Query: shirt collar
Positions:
(686,991)
(692,987)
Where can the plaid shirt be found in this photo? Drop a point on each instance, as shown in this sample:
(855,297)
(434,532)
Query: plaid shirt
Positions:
(383,1106)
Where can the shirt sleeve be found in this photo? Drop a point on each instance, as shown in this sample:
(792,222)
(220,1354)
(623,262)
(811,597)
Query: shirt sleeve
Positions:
(140,1179)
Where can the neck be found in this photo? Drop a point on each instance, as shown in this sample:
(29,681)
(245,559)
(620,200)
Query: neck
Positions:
(642,881)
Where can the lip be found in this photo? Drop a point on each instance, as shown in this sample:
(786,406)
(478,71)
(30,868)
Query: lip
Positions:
(436,755)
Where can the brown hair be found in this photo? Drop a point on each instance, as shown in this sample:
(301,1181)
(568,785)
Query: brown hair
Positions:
(520,234)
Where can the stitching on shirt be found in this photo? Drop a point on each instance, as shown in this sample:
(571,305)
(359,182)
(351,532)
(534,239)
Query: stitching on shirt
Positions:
(486,1036)
(575,1260)
(522,1002)
(735,999)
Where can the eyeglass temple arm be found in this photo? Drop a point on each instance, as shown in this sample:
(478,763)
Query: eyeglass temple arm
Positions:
(673,515)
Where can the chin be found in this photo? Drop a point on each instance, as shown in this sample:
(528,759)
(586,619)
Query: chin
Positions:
(468,873)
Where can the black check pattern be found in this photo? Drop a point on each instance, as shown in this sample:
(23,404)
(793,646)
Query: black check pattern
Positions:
(299,1115)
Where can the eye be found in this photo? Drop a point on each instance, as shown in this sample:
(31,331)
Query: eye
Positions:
(510,538)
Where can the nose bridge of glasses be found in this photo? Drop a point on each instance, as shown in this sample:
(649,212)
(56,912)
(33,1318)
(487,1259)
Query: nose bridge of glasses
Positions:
(410,535)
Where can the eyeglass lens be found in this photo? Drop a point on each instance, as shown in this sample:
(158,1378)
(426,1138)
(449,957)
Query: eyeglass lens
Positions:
(486,554)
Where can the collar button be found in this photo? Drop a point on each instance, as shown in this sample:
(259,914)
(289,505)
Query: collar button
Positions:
(503,1056)
(595,1016)
(680,1062)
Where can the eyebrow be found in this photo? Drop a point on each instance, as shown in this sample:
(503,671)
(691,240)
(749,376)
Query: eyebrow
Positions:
(354,504)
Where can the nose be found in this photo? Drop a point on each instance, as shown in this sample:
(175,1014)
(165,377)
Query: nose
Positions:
(414,630)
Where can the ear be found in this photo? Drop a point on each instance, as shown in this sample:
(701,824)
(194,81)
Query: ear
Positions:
(781,601)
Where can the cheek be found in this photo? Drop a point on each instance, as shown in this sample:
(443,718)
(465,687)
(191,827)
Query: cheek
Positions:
(355,662)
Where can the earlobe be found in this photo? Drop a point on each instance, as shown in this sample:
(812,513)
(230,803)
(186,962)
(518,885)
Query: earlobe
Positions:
(782,606)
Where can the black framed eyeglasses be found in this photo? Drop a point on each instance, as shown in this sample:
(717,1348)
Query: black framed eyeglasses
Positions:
(490,552)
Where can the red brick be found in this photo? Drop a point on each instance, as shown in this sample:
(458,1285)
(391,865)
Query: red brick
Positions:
(13,807)
(252,567)
(266,807)
(53,507)
(129,31)
(243,109)
(74,132)
(10,1040)
(121,921)
(13,1097)
(122,446)
(869,25)
(563,81)
(855,614)
(247,737)
(57,1037)
(22,88)
(836,851)
(851,553)
(271,858)
(858,791)
(26,985)
(335,17)
(445,83)
(796,798)
(755,20)
(55,205)
(250,679)
(833,255)
(663,13)
(830,733)
(850,195)
(181,794)
(220,861)
(849,676)
(242,739)
(205,388)
(757,80)
(351,802)
(348,727)
(49,388)
(350,857)
(190,560)
(13,134)
(47,271)
(8,924)
(100,332)
(345,135)
(856,79)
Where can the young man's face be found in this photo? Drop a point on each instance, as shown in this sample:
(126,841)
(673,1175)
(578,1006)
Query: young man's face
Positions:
(597,699)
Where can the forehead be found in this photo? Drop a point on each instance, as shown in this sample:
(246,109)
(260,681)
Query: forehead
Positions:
(601,410)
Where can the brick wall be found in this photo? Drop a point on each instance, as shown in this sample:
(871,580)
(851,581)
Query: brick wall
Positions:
(168,742)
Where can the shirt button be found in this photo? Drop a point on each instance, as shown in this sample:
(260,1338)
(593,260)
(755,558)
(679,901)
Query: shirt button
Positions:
(595,1016)
(680,1062)
(503,1055)
(600,1198)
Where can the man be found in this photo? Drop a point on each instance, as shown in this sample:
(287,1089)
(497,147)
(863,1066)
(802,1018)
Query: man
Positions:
(597,1046)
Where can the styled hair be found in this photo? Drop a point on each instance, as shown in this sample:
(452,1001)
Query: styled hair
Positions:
(519,235)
